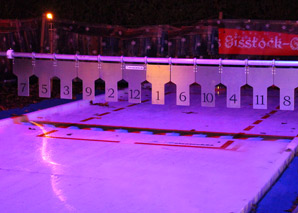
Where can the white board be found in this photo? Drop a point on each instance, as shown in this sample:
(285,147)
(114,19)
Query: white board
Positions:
(88,72)
(183,77)
(44,70)
(208,77)
(66,71)
(134,74)
(260,78)
(287,80)
(158,76)
(23,69)
(111,73)
(233,78)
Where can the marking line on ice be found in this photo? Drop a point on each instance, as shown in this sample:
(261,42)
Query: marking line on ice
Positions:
(166,132)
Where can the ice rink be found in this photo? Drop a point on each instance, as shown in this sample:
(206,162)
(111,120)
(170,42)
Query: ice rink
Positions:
(124,157)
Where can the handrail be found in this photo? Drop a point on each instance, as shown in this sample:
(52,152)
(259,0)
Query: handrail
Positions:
(123,59)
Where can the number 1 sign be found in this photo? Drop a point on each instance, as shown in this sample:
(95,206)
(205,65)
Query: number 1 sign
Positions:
(158,76)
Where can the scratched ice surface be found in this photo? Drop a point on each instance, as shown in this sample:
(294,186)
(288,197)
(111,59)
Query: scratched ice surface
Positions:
(64,161)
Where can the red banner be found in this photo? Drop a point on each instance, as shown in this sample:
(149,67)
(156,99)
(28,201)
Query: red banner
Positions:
(245,42)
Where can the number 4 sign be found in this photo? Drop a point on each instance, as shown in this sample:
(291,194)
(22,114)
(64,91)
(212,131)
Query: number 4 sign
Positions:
(233,78)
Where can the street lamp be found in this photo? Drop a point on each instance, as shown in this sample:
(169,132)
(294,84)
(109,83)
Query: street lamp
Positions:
(49,18)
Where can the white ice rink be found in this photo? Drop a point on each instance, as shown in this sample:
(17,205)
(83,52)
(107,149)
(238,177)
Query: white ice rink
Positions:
(123,157)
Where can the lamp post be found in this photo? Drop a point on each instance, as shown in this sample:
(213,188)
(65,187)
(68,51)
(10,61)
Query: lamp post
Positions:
(47,17)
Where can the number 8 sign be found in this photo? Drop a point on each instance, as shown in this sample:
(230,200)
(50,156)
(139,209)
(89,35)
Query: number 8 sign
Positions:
(287,80)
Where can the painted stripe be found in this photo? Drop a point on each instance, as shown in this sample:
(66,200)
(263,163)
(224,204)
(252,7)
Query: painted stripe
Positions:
(248,128)
(87,119)
(102,114)
(266,116)
(164,131)
(224,146)
(47,133)
(257,122)
(118,109)
(272,112)
(131,105)
(82,139)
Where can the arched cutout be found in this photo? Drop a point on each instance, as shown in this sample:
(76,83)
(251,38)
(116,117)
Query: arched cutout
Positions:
(122,85)
(195,94)
(221,96)
(274,97)
(77,88)
(246,96)
(170,93)
(55,87)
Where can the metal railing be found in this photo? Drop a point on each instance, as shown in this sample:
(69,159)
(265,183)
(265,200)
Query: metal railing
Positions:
(123,59)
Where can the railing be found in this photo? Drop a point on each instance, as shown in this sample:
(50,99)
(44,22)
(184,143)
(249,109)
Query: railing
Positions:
(122,59)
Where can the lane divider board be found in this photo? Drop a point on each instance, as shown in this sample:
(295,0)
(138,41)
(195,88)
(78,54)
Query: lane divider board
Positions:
(88,72)
(44,70)
(23,69)
(260,78)
(187,133)
(208,77)
(134,74)
(287,80)
(233,78)
(66,72)
(183,77)
(158,76)
(111,73)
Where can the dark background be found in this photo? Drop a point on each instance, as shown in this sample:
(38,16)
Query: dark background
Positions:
(150,12)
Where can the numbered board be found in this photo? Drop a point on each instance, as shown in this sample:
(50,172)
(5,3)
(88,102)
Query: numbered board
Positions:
(134,74)
(260,78)
(208,77)
(111,73)
(23,69)
(233,78)
(88,72)
(158,76)
(183,77)
(66,71)
(287,80)
(44,70)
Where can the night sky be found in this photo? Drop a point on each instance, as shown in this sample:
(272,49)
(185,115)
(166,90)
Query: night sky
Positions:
(141,12)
